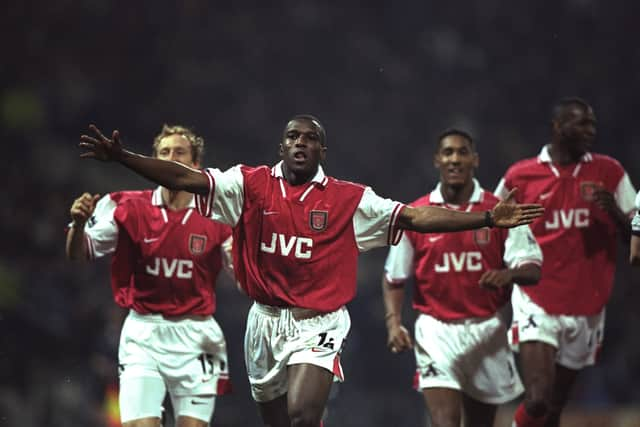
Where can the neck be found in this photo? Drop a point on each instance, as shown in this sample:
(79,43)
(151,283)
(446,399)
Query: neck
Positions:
(297,178)
(176,200)
(561,155)
(457,195)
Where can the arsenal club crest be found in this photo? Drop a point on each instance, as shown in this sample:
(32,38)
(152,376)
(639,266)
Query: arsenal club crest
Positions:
(482,236)
(197,244)
(318,220)
(588,188)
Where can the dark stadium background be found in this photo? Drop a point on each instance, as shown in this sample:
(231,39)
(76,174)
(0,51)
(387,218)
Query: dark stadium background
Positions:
(384,77)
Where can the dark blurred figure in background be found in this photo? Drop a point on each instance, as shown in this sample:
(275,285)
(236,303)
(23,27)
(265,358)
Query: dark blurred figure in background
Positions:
(588,197)
(462,290)
(297,236)
(634,247)
(165,261)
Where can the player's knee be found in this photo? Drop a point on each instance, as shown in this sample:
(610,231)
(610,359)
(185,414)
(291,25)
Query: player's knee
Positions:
(304,417)
(443,417)
(537,405)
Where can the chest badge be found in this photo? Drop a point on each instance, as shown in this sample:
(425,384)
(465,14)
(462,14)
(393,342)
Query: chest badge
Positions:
(197,244)
(318,220)
(588,188)
(482,236)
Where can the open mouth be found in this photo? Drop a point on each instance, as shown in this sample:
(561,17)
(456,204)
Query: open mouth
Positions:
(299,156)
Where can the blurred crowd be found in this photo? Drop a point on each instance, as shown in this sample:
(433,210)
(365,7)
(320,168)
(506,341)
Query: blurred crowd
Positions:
(384,77)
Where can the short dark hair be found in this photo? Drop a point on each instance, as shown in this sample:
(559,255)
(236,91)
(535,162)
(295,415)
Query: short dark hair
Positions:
(454,131)
(561,107)
(313,119)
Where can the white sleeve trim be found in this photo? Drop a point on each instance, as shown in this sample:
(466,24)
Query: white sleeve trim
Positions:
(501,190)
(625,194)
(375,221)
(398,266)
(225,198)
(101,230)
(521,247)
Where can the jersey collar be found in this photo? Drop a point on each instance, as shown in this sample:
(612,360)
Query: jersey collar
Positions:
(436,195)
(545,156)
(319,178)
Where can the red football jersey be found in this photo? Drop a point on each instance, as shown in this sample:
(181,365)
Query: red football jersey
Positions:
(298,245)
(163,261)
(447,267)
(578,239)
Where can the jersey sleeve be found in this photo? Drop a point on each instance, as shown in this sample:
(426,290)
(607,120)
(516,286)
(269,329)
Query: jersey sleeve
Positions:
(101,229)
(225,198)
(635,222)
(502,189)
(375,221)
(521,247)
(399,264)
(625,194)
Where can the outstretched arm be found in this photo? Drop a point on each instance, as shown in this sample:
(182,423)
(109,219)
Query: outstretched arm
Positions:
(433,219)
(169,174)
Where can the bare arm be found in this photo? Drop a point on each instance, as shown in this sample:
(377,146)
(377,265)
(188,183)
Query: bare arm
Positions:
(607,202)
(635,250)
(398,338)
(81,210)
(169,174)
(433,219)
(525,274)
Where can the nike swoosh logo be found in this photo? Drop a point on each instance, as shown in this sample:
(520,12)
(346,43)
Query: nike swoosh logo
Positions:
(196,402)
(545,195)
(146,240)
(269,212)
(434,239)
(317,349)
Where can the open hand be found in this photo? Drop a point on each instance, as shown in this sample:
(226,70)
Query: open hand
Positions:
(507,213)
(605,200)
(100,147)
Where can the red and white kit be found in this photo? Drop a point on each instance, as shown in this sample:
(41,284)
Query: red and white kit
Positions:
(164,267)
(461,332)
(578,240)
(296,247)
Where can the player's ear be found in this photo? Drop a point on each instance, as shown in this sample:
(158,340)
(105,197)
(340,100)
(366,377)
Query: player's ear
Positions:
(323,153)
(476,160)
(436,161)
(280,150)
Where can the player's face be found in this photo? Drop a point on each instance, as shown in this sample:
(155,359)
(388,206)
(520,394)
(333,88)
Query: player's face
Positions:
(176,148)
(577,129)
(456,160)
(302,149)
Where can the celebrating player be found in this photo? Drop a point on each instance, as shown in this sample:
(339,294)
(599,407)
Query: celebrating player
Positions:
(166,257)
(462,287)
(297,234)
(588,197)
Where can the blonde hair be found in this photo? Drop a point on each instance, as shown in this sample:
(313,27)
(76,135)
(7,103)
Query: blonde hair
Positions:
(197,142)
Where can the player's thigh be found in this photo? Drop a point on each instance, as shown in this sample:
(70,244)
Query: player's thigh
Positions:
(141,400)
(309,387)
(445,406)
(478,414)
(193,410)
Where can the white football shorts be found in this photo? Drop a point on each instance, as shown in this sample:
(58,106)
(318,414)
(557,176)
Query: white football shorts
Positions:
(578,339)
(185,356)
(470,355)
(280,337)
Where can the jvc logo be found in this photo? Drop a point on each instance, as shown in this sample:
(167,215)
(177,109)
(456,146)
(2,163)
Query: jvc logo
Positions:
(301,246)
(465,261)
(578,218)
(180,268)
